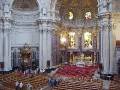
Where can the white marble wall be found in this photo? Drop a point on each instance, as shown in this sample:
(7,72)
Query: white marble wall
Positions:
(1,44)
(116,33)
(24,28)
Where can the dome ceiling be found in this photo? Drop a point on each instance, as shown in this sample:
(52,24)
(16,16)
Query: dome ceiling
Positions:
(25,5)
(78,7)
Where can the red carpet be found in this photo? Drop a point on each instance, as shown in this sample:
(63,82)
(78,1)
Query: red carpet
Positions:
(74,71)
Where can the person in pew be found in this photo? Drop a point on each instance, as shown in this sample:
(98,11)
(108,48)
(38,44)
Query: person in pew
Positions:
(49,81)
(52,82)
(38,70)
(29,86)
(55,82)
(21,86)
(58,80)
(16,85)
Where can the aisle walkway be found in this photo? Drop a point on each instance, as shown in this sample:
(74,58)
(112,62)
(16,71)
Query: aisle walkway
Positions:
(47,88)
(106,84)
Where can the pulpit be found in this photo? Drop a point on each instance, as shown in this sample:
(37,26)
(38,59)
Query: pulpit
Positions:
(26,56)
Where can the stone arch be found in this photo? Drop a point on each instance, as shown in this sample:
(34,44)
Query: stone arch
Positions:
(55,2)
(25,22)
(12,1)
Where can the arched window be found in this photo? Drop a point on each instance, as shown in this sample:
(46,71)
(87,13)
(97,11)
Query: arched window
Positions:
(71,39)
(87,40)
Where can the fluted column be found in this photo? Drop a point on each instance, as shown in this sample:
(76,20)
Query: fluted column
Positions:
(40,49)
(106,37)
(112,51)
(6,36)
(7,51)
(107,49)
(44,49)
(1,40)
(6,44)
(49,48)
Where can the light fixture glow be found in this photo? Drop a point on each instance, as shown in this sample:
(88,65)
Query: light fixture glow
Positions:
(87,35)
(87,40)
(72,33)
(70,15)
(63,39)
(88,15)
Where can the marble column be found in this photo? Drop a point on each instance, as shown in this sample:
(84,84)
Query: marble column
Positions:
(6,37)
(105,36)
(1,41)
(49,46)
(101,46)
(45,43)
(44,49)
(6,54)
(112,53)
(105,50)
(40,49)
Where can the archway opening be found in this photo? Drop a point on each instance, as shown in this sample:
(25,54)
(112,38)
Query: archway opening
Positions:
(77,9)
(25,32)
(79,16)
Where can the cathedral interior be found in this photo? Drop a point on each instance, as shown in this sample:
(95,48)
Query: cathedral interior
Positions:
(75,40)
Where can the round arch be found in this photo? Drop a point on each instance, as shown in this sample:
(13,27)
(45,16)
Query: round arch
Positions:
(54,3)
(12,1)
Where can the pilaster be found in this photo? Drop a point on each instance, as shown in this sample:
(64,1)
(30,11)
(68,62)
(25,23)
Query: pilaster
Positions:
(6,44)
(40,49)
(49,44)
(106,43)
(45,27)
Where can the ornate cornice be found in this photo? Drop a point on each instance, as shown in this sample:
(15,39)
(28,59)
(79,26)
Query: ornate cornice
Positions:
(47,23)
